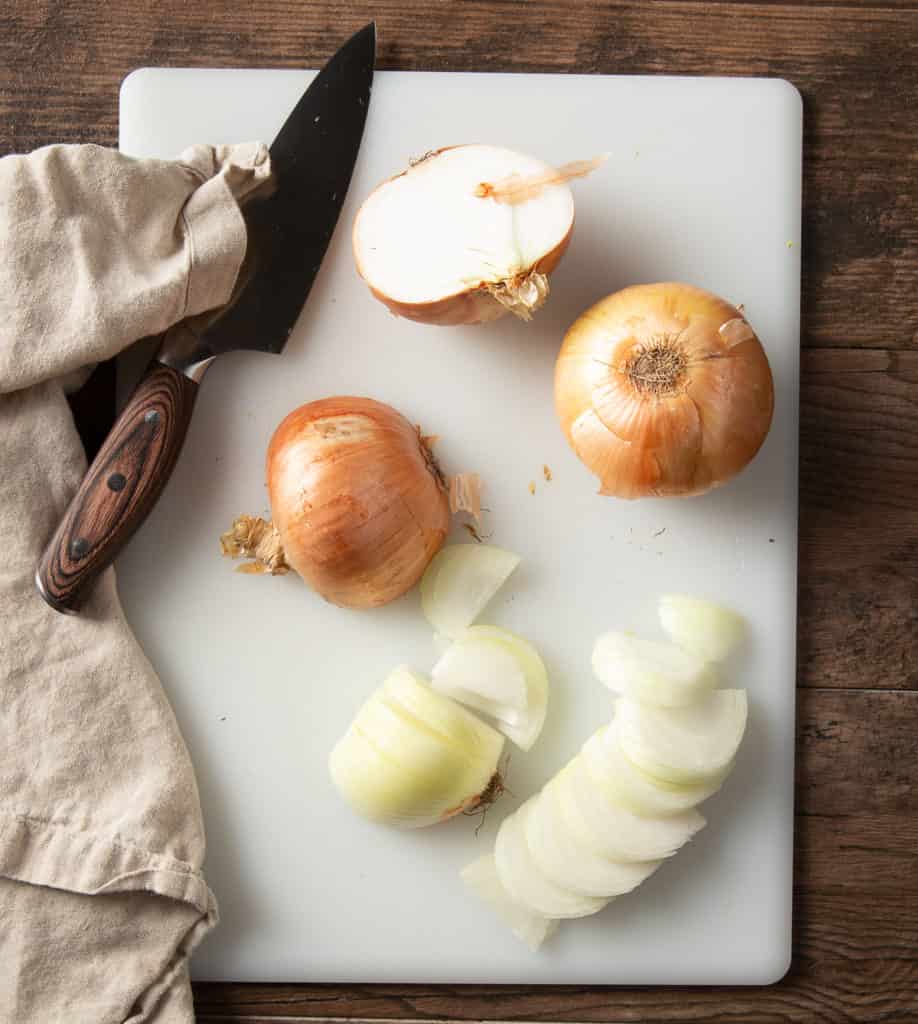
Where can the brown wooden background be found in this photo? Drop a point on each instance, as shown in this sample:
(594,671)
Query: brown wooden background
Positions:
(856,925)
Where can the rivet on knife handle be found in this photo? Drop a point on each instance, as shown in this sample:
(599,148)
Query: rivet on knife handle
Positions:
(120,488)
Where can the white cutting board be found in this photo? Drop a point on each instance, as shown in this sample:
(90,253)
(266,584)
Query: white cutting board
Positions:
(703,185)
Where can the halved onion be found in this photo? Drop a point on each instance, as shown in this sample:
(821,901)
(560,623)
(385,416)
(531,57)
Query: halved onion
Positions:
(451,240)
(563,857)
(482,878)
(702,627)
(499,674)
(459,582)
(526,883)
(650,671)
(412,757)
(610,828)
(607,765)
(683,745)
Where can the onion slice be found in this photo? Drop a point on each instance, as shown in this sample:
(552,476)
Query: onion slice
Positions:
(702,627)
(482,878)
(625,783)
(526,883)
(460,581)
(695,744)
(566,860)
(499,674)
(651,672)
(610,828)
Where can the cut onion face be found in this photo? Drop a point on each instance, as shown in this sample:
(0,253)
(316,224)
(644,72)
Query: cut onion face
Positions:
(610,828)
(568,862)
(460,581)
(696,744)
(439,244)
(482,878)
(412,758)
(654,673)
(625,783)
(704,628)
(502,676)
(526,883)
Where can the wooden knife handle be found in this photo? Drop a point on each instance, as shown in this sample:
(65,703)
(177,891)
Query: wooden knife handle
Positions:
(120,487)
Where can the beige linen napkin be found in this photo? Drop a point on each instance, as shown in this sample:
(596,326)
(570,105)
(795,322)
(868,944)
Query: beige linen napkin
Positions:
(101,839)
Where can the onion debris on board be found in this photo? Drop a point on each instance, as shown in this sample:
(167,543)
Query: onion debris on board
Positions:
(626,802)
(466,234)
(663,389)
(359,505)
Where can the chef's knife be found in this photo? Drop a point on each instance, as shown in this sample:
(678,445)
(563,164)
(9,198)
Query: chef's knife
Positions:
(289,230)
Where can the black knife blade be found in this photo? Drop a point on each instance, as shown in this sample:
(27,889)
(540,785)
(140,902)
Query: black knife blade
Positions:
(288,233)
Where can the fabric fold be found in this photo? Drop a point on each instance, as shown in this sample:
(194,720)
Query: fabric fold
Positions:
(102,891)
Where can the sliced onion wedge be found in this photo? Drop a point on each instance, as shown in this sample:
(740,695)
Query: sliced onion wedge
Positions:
(607,765)
(523,880)
(459,582)
(613,830)
(411,762)
(702,627)
(482,878)
(570,863)
(650,671)
(695,744)
(410,695)
(499,674)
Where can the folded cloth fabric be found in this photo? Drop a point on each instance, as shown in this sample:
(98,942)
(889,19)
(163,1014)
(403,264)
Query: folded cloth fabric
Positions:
(102,898)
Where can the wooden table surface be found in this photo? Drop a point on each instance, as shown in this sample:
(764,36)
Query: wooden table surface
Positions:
(856,883)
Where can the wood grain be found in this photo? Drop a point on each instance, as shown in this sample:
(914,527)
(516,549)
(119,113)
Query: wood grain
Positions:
(856,64)
(120,488)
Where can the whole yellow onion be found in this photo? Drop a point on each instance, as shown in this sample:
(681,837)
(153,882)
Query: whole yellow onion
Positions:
(358,502)
(663,389)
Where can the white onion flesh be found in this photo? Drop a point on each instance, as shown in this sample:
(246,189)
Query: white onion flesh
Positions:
(482,878)
(612,829)
(526,883)
(412,757)
(607,765)
(695,744)
(569,862)
(650,671)
(430,246)
(460,581)
(499,674)
(702,627)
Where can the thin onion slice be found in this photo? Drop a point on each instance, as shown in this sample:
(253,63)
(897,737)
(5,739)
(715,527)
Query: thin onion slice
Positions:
(649,671)
(482,878)
(613,830)
(566,860)
(701,627)
(625,783)
(526,883)
(499,674)
(695,744)
(460,581)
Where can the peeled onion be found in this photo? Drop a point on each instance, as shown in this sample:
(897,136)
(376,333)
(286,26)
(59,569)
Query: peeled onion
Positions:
(454,239)
(460,581)
(650,671)
(482,878)
(499,674)
(693,744)
(412,757)
(706,629)
(663,389)
(627,784)
(359,505)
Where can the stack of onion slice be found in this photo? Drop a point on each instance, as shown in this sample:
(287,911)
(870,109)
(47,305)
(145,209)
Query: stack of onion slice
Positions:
(627,800)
